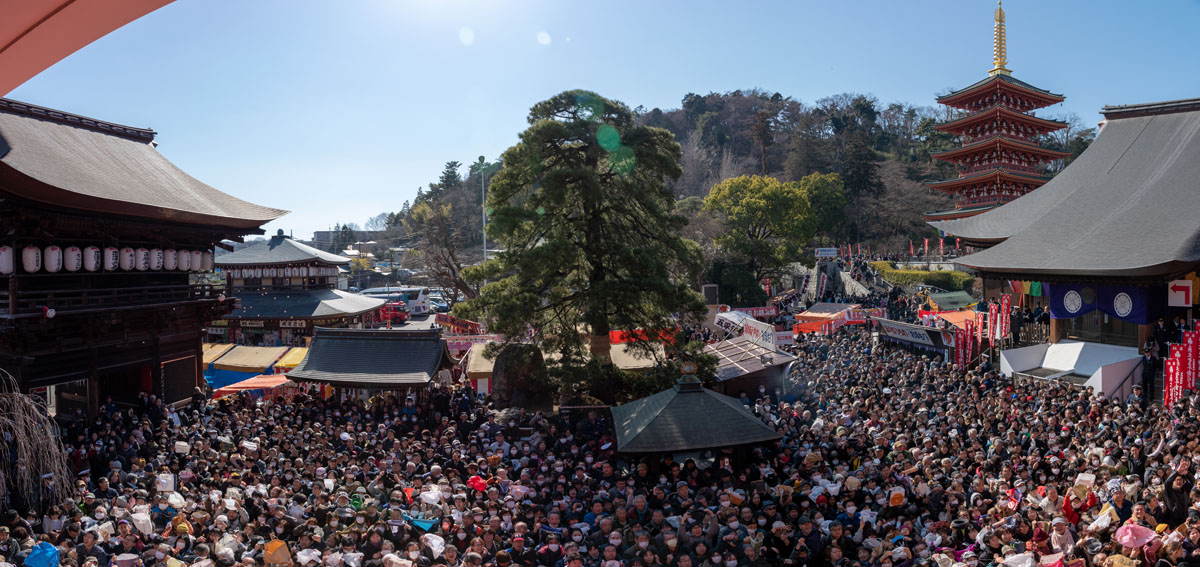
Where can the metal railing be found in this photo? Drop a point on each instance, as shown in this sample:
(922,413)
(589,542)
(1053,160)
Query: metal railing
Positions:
(1125,387)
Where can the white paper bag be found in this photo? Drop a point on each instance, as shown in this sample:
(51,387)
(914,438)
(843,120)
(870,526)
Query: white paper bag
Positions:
(164,482)
(141,521)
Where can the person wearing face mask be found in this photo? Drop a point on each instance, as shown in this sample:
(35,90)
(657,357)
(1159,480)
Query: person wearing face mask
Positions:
(551,552)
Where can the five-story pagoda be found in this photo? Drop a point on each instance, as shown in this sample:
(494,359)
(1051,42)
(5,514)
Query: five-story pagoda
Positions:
(999,159)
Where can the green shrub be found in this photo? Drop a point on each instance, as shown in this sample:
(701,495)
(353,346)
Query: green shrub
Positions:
(948,280)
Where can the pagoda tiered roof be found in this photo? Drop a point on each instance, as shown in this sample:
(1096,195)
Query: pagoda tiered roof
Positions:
(1000,84)
(1000,142)
(996,174)
(996,112)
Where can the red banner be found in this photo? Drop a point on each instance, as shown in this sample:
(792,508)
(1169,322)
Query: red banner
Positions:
(993,324)
(957,244)
(1005,314)
(911,252)
(941,246)
(859,248)
(960,347)
(926,252)
(979,319)
(970,335)
(1191,342)
(1170,380)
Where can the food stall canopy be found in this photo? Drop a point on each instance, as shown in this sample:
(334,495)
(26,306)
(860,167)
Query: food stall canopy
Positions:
(250,359)
(292,358)
(261,382)
(825,311)
(214,351)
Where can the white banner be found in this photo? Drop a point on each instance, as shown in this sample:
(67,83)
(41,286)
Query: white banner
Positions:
(901,331)
(785,338)
(762,334)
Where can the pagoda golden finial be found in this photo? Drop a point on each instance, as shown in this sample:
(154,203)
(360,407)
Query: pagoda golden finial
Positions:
(999,43)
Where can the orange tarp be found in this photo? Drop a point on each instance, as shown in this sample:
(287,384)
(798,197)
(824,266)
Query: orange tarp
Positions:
(809,326)
(958,318)
(263,382)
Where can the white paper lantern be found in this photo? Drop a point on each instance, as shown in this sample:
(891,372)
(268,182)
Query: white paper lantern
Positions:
(170,259)
(206,261)
(235,274)
(156,259)
(141,259)
(72,259)
(7,260)
(128,257)
(92,260)
(112,259)
(258,273)
(185,260)
(197,260)
(31,259)
(52,258)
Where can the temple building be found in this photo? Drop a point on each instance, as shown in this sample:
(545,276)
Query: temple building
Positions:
(284,289)
(999,159)
(102,241)
(1109,245)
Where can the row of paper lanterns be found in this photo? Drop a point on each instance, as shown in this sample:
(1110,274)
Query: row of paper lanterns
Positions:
(53,259)
(288,272)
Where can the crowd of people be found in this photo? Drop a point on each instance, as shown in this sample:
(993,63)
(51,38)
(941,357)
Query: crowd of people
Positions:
(888,458)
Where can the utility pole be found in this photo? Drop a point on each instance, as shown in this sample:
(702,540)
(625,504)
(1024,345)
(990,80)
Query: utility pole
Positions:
(483,202)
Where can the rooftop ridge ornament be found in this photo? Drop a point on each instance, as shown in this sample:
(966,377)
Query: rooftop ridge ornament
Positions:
(999,44)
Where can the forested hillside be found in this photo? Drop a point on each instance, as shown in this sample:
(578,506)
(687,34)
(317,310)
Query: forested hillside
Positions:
(879,151)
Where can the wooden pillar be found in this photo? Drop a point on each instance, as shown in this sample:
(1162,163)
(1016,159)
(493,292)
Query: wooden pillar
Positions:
(156,373)
(1056,330)
(93,385)
(1144,333)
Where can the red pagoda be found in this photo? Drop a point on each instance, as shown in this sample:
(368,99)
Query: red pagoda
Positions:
(999,159)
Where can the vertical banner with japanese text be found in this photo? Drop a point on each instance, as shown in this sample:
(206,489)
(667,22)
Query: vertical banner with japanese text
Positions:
(993,324)
(1005,314)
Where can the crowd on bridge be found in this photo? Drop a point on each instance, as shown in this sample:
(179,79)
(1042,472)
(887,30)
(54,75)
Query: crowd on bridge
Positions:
(888,458)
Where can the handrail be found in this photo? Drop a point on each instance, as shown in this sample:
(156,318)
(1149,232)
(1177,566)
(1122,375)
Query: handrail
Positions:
(1121,387)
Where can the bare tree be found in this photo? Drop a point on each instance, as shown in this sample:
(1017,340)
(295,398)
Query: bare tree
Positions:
(34,466)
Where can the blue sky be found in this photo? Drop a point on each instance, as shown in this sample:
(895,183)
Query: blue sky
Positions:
(339,109)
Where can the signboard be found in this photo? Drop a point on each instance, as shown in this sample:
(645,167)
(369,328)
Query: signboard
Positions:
(250,323)
(759,333)
(1191,342)
(768,311)
(1179,293)
(785,338)
(906,332)
(821,286)
(458,326)
(826,253)
(460,344)
(293,324)
(993,324)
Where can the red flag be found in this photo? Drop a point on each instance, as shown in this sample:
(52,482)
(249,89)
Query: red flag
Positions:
(1005,314)
(993,324)
(941,246)
(957,243)
(911,252)
(1189,359)
(926,252)
(859,248)
(979,328)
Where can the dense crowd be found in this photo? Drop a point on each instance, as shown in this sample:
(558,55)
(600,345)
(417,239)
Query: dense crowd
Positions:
(889,458)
